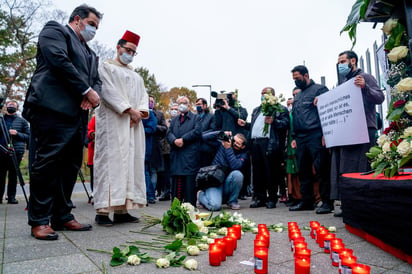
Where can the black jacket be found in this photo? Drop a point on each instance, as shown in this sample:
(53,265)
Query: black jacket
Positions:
(156,159)
(66,68)
(278,130)
(23,133)
(305,113)
(226,120)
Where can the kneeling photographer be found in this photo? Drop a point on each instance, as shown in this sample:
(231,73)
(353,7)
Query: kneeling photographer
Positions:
(231,156)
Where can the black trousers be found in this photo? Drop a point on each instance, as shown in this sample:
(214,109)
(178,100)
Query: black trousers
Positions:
(310,152)
(184,188)
(266,171)
(58,147)
(8,170)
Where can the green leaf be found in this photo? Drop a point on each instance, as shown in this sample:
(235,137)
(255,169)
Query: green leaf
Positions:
(133,250)
(175,245)
(357,13)
(380,168)
(405,160)
(396,113)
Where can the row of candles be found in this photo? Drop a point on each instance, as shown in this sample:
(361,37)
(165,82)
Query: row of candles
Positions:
(223,247)
(340,256)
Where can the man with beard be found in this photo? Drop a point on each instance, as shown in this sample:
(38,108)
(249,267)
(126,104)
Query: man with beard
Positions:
(309,143)
(352,158)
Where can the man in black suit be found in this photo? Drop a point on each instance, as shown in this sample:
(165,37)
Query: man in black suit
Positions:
(63,87)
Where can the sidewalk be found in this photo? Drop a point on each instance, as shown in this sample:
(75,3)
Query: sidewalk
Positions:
(21,253)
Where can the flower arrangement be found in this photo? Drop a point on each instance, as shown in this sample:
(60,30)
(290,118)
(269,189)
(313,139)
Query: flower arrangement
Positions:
(394,149)
(270,106)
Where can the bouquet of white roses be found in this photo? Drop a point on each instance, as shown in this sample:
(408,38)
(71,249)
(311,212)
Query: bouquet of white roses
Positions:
(271,105)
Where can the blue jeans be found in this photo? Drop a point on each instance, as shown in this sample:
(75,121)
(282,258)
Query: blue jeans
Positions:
(212,197)
(150,188)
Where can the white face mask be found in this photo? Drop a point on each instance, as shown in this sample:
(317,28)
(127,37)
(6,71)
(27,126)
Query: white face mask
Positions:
(126,58)
(183,108)
(173,112)
(88,33)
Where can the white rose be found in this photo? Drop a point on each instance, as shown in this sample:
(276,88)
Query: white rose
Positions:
(162,263)
(203,247)
(191,264)
(255,230)
(222,231)
(278,229)
(332,229)
(386,147)
(389,25)
(408,108)
(179,236)
(192,250)
(213,235)
(382,139)
(133,260)
(404,148)
(210,241)
(405,84)
(407,132)
(397,53)
(204,230)
(199,223)
(204,238)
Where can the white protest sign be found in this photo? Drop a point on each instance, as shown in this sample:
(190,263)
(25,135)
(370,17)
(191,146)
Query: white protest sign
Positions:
(342,116)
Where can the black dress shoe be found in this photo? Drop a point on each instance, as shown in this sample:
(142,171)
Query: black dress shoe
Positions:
(103,220)
(12,201)
(325,209)
(124,218)
(292,202)
(270,204)
(257,204)
(72,225)
(164,198)
(301,206)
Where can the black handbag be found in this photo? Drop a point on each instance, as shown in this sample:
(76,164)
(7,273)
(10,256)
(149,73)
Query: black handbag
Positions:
(210,176)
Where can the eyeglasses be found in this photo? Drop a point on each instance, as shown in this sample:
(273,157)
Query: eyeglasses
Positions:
(130,51)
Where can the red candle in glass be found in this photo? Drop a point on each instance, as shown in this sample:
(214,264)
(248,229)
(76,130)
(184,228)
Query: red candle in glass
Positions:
(229,245)
(321,235)
(231,230)
(238,230)
(266,234)
(261,260)
(234,236)
(263,238)
(313,226)
(292,225)
(317,231)
(215,255)
(222,244)
(262,225)
(302,265)
(259,244)
(336,241)
(327,242)
(303,253)
(343,253)
(300,245)
(294,235)
(346,264)
(361,269)
(295,241)
(293,231)
(336,248)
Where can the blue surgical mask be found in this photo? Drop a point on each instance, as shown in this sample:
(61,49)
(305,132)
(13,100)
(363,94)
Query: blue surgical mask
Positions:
(125,58)
(344,69)
(88,33)
(199,109)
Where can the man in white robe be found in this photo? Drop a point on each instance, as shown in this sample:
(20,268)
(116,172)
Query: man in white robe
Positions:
(119,138)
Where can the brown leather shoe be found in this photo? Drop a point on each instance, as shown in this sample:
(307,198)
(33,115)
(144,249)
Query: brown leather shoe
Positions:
(44,232)
(72,225)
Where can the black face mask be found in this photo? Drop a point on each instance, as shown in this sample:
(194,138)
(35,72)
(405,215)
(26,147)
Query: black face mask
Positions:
(11,110)
(300,84)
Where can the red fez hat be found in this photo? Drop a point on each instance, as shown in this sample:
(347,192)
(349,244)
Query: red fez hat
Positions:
(131,37)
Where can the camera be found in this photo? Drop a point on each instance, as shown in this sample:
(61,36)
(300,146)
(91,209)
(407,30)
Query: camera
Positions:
(222,96)
(224,137)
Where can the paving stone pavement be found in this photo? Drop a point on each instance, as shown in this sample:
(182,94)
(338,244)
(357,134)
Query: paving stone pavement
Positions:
(21,253)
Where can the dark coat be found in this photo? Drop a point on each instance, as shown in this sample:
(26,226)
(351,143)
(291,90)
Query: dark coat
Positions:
(23,133)
(184,160)
(156,159)
(149,125)
(66,68)
(207,125)
(278,129)
(305,113)
(226,120)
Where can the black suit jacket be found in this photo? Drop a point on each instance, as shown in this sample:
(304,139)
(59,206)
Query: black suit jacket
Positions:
(66,68)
